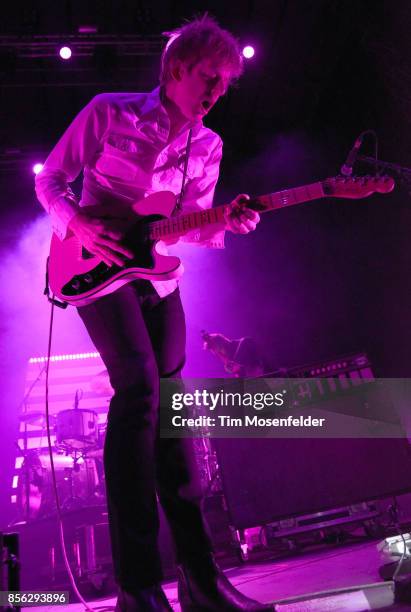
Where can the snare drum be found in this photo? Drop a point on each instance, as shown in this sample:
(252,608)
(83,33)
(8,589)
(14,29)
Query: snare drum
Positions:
(77,429)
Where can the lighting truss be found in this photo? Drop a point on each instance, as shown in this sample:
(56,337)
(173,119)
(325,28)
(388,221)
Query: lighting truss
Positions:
(82,45)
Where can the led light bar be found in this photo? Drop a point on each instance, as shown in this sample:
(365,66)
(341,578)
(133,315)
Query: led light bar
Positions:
(65,357)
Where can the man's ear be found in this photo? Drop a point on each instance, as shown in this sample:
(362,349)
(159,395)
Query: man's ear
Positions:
(177,70)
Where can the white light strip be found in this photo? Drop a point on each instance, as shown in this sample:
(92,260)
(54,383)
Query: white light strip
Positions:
(65,357)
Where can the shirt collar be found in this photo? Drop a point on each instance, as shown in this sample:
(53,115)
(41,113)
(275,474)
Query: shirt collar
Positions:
(153,104)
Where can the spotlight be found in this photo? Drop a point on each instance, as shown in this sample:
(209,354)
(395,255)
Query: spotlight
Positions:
(248,51)
(65,53)
(37,168)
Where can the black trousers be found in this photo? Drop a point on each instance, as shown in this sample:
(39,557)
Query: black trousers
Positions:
(141,337)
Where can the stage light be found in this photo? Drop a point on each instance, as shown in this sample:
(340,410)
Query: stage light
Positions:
(248,52)
(65,357)
(37,168)
(65,53)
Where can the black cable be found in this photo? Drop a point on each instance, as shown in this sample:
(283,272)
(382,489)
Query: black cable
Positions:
(53,474)
(375,155)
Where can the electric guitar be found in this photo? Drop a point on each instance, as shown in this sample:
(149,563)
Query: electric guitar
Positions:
(78,277)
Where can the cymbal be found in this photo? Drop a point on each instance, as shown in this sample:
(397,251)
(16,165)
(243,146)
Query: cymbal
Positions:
(100,384)
(36,418)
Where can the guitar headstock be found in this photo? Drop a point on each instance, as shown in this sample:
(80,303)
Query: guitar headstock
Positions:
(357,187)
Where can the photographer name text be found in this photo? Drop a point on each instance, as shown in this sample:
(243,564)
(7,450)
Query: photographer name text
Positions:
(246,421)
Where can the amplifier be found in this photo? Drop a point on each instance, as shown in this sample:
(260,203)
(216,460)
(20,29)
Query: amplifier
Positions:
(269,479)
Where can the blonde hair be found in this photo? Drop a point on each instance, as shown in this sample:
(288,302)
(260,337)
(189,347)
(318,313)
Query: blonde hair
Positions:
(199,38)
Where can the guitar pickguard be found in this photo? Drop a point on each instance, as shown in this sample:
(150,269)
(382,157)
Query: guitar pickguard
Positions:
(136,240)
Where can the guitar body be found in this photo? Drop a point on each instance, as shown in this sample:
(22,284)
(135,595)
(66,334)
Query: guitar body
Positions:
(79,278)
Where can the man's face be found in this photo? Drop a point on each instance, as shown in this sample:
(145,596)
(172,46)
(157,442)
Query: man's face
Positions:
(196,89)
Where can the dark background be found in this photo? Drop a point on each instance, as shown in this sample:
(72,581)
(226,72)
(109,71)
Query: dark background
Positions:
(313,282)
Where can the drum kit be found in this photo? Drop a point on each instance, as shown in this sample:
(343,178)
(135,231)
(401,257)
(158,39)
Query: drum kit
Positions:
(77,459)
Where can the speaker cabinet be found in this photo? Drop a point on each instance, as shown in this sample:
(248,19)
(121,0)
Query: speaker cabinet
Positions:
(268,479)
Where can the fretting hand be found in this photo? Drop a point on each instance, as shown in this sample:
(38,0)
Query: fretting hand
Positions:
(238,218)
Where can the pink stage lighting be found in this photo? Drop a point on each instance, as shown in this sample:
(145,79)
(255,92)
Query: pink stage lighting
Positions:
(65,53)
(37,168)
(248,52)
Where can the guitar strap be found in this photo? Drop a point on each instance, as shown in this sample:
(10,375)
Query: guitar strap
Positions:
(179,204)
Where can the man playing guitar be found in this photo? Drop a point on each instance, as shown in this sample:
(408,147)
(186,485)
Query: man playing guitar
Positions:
(130,146)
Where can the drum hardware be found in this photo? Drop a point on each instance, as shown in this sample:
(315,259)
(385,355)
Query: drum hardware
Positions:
(207,465)
(92,554)
(97,456)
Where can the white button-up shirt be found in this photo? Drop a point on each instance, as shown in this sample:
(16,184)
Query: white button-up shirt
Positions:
(119,140)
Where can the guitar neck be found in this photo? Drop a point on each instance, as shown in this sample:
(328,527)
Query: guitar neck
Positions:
(178,226)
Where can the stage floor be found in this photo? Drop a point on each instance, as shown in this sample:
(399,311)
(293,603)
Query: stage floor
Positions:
(305,574)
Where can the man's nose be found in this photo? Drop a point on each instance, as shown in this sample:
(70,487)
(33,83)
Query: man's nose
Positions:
(214,94)
(217,88)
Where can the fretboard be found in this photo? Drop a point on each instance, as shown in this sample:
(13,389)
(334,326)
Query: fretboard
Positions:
(178,226)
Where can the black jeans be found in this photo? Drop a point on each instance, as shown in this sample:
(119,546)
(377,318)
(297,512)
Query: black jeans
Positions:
(141,337)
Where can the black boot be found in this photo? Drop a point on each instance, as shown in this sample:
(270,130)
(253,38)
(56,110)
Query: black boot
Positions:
(204,588)
(150,599)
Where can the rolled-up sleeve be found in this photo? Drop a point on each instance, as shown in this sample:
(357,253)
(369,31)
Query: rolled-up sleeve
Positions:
(71,154)
(199,196)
